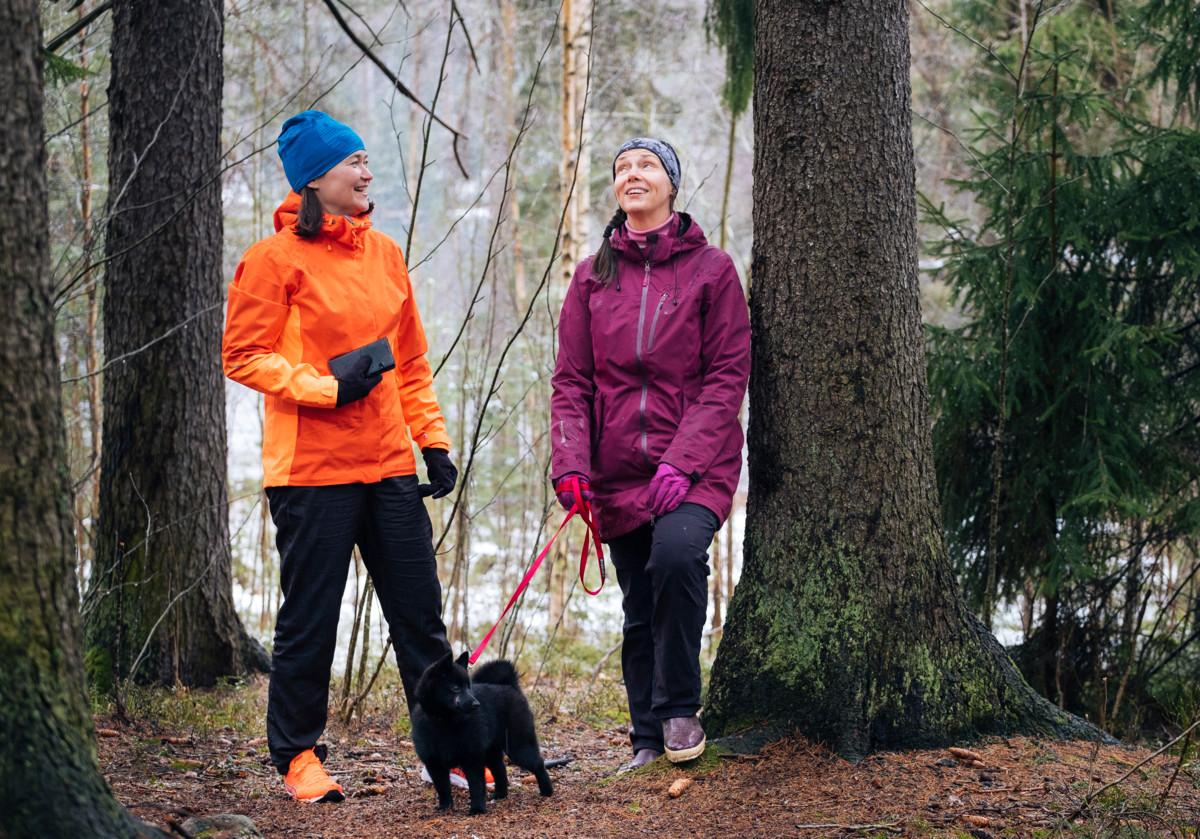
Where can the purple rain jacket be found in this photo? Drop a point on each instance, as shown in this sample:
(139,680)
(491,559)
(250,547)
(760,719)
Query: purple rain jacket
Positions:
(652,368)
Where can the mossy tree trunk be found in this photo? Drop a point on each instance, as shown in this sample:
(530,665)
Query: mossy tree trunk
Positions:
(163,560)
(50,784)
(847,623)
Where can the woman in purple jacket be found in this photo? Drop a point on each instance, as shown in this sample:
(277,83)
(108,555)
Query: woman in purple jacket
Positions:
(653,359)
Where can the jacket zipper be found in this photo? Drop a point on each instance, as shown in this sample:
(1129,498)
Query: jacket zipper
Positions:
(641,365)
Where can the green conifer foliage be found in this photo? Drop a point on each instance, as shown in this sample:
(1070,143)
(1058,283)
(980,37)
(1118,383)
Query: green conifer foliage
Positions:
(1066,403)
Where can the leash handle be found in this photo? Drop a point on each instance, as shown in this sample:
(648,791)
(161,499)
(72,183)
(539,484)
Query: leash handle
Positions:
(583,509)
(592,535)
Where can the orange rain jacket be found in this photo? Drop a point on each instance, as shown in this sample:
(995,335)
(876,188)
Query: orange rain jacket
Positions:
(295,303)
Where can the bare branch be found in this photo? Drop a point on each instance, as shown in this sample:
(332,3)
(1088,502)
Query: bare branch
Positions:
(399,85)
(75,28)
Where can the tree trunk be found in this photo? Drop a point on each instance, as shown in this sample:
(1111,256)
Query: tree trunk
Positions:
(162,578)
(574,172)
(847,623)
(50,783)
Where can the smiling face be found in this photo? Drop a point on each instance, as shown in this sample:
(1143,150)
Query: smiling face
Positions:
(343,189)
(642,188)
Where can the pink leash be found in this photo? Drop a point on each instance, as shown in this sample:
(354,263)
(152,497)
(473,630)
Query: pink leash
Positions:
(584,510)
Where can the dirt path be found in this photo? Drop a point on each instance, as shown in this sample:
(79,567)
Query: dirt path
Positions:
(1023,788)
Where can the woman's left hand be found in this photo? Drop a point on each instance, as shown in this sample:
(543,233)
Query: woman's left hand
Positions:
(667,489)
(441,471)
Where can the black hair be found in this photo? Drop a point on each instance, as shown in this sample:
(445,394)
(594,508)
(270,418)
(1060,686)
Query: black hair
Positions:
(312,214)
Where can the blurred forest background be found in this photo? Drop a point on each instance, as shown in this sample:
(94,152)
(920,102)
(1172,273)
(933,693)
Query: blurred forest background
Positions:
(1061,231)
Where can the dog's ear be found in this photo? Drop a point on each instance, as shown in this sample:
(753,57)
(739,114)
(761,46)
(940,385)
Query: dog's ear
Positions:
(464,660)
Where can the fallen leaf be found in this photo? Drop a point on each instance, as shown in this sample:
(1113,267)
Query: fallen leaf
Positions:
(976,821)
(965,754)
(177,741)
(678,787)
(373,789)
(107,732)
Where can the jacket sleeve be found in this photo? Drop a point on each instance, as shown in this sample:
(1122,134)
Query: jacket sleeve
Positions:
(258,311)
(573,388)
(725,368)
(414,376)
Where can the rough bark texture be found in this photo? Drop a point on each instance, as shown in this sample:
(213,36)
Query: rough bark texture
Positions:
(163,556)
(50,784)
(847,623)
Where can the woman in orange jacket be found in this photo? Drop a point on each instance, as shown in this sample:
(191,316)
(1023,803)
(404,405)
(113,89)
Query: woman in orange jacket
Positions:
(338,465)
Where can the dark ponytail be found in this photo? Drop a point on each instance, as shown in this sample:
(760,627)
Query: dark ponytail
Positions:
(311,216)
(605,263)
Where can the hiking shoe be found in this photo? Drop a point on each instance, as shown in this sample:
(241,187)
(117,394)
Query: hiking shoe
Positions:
(306,780)
(683,738)
(641,758)
(459,779)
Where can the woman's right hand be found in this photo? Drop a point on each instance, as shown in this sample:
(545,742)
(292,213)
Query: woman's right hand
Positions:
(564,488)
(357,384)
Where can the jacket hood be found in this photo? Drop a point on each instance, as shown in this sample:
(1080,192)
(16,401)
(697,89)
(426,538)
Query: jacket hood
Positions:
(338,228)
(686,236)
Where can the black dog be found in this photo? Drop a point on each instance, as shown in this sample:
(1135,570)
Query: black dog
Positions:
(473,723)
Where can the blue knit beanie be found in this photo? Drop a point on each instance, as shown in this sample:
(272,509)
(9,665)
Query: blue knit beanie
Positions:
(311,143)
(661,149)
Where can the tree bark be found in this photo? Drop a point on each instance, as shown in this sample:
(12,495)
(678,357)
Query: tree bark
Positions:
(162,580)
(847,622)
(50,783)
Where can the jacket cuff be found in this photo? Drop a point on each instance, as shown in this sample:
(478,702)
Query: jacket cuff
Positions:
(433,439)
(684,465)
(329,390)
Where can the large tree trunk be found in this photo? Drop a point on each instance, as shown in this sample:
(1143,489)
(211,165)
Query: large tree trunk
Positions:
(847,623)
(50,784)
(162,575)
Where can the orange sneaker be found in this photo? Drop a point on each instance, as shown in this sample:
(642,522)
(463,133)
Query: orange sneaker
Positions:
(306,780)
(456,774)
(458,778)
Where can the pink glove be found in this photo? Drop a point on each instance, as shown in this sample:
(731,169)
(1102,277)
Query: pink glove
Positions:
(667,489)
(564,487)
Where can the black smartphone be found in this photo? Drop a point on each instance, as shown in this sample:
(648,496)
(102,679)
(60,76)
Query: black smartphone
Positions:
(380,353)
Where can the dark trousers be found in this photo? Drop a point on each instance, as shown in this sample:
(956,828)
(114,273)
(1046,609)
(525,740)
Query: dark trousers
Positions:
(663,572)
(318,528)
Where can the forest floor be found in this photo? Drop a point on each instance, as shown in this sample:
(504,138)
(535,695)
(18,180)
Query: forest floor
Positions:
(188,753)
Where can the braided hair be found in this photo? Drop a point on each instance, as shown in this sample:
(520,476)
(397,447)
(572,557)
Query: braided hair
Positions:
(605,263)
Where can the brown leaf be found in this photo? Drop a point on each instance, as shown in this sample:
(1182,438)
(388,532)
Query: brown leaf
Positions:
(678,787)
(976,821)
(177,741)
(107,732)
(965,754)
(373,789)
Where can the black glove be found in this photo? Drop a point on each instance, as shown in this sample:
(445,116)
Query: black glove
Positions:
(357,384)
(441,471)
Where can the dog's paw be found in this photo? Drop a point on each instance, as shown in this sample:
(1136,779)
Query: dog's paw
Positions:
(477,811)
(499,795)
(443,808)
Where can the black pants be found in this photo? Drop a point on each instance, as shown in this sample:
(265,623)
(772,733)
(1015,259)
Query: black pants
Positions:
(317,530)
(663,572)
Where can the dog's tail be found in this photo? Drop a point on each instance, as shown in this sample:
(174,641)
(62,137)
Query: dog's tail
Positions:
(497,672)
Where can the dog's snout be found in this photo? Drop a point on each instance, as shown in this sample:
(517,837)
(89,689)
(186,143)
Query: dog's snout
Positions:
(468,702)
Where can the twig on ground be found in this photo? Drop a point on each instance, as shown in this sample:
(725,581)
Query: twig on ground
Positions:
(1187,741)
(890,827)
(1092,796)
